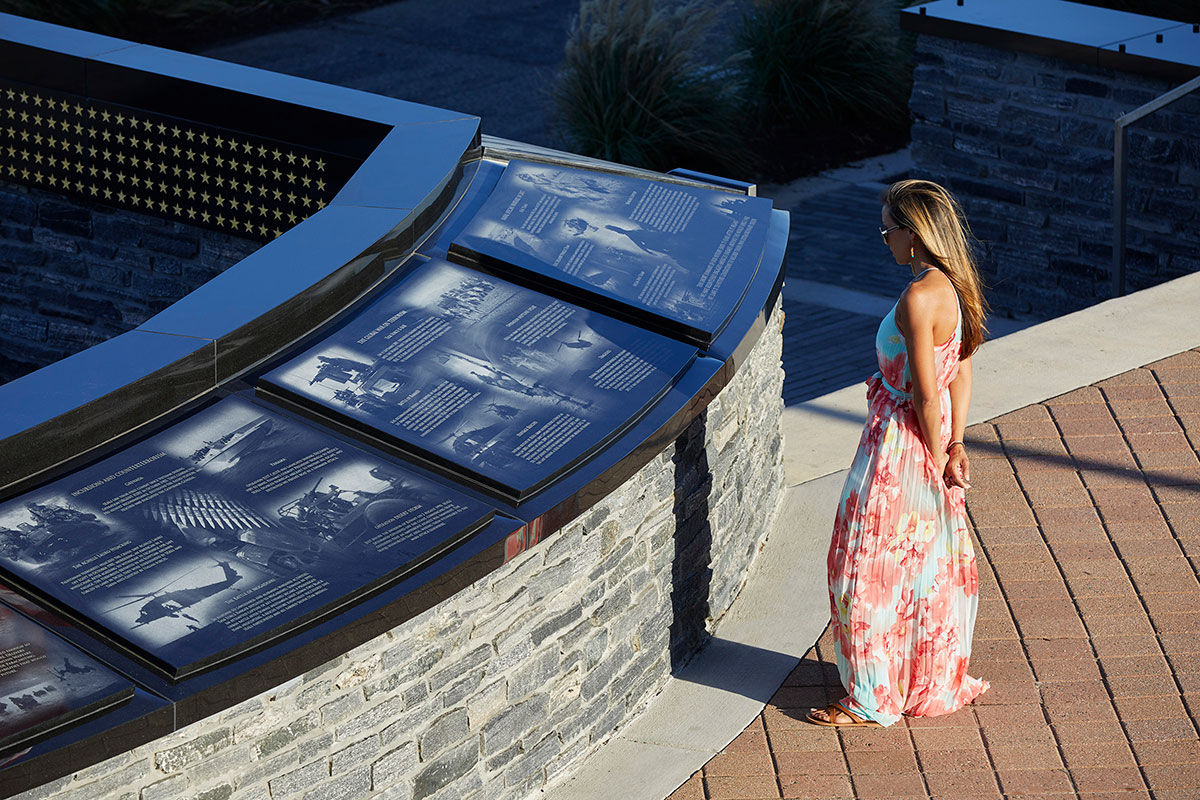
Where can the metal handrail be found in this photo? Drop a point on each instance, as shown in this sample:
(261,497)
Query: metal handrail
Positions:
(1119,150)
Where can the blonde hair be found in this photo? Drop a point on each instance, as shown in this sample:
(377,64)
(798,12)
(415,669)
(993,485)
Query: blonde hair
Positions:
(933,214)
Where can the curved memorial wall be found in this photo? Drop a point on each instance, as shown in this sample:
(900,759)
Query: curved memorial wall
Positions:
(429,494)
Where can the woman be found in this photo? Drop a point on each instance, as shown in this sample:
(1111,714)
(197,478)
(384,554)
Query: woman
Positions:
(902,576)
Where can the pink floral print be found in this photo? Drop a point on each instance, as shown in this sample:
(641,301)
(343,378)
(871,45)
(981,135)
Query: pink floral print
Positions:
(903,585)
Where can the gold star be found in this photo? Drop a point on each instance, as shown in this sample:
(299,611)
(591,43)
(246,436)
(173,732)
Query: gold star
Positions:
(104,115)
(79,148)
(176,208)
(162,129)
(233,164)
(37,157)
(162,206)
(203,137)
(190,135)
(276,194)
(320,164)
(162,187)
(120,158)
(262,229)
(147,125)
(37,176)
(120,119)
(220,161)
(191,194)
(247,166)
(37,119)
(262,191)
(135,180)
(134,160)
(247,148)
(275,154)
(25,174)
(120,138)
(291,178)
(107,174)
(278,214)
(220,201)
(120,177)
(51,141)
(107,193)
(233,184)
(220,180)
(120,197)
(91,152)
(262,172)
(204,158)
(291,158)
(204,215)
(233,223)
(162,167)
(24,116)
(78,110)
(175,171)
(262,151)
(133,141)
(306,161)
(175,151)
(93,171)
(37,99)
(321,185)
(204,177)
(95,189)
(191,155)
(79,187)
(51,123)
(175,131)
(91,113)
(53,161)
(291,198)
(78,129)
(220,220)
(105,135)
(219,141)
(191,213)
(204,197)
(162,147)
(191,175)
(53,180)
(278,233)
(305,180)
(178,190)
(135,200)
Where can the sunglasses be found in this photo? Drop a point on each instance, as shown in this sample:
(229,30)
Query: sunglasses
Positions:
(885,231)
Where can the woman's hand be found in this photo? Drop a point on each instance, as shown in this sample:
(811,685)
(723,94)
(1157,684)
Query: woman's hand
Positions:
(956,469)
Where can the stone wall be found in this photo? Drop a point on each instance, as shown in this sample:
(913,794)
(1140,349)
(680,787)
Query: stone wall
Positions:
(508,684)
(74,274)
(1026,143)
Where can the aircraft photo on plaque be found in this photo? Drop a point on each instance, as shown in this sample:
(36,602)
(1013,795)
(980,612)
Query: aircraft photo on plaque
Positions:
(47,683)
(225,531)
(672,257)
(484,380)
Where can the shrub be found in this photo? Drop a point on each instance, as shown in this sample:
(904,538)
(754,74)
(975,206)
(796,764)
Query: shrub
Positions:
(824,61)
(634,90)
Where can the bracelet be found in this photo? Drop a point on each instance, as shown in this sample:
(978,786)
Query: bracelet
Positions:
(951,445)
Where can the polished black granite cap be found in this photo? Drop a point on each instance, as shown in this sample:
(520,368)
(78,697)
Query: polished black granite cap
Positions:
(1074,31)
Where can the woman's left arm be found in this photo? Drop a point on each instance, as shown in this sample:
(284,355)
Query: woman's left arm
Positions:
(958,467)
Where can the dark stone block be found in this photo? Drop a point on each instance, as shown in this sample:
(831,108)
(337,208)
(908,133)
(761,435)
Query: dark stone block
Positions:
(988,190)
(1173,210)
(1087,133)
(1025,177)
(1155,149)
(1079,268)
(976,147)
(933,135)
(926,104)
(20,254)
(1088,87)
(1025,120)
(117,230)
(167,266)
(1043,98)
(1023,157)
(988,113)
(173,245)
(156,286)
(17,207)
(65,218)
(21,324)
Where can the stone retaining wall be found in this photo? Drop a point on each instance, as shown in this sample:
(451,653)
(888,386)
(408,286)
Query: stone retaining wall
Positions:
(1026,142)
(73,274)
(508,684)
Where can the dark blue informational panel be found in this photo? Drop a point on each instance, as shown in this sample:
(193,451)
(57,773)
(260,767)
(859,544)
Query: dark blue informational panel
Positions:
(47,683)
(227,530)
(673,258)
(494,384)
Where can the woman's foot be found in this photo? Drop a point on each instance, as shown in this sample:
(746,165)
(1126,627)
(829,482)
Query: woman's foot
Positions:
(837,716)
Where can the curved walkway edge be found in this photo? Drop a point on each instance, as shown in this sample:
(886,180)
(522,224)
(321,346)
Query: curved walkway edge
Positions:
(783,608)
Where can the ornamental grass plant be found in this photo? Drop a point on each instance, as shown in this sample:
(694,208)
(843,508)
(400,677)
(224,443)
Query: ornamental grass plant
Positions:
(635,89)
(817,62)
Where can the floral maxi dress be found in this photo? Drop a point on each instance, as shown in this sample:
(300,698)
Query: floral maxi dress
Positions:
(903,584)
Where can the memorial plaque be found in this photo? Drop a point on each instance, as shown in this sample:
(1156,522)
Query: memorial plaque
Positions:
(226,531)
(47,683)
(484,380)
(674,258)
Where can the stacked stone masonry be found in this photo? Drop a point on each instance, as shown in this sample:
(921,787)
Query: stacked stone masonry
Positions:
(73,274)
(1026,143)
(500,690)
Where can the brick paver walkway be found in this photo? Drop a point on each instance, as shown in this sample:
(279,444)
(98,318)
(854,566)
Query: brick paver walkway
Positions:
(1087,515)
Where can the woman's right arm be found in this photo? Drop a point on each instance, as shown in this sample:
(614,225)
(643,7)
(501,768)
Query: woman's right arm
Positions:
(958,466)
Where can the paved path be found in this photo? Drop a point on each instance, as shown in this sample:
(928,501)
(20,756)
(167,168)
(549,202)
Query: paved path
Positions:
(1086,510)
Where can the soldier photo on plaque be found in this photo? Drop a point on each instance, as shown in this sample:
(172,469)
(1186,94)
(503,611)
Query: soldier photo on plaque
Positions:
(481,375)
(665,248)
(231,525)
